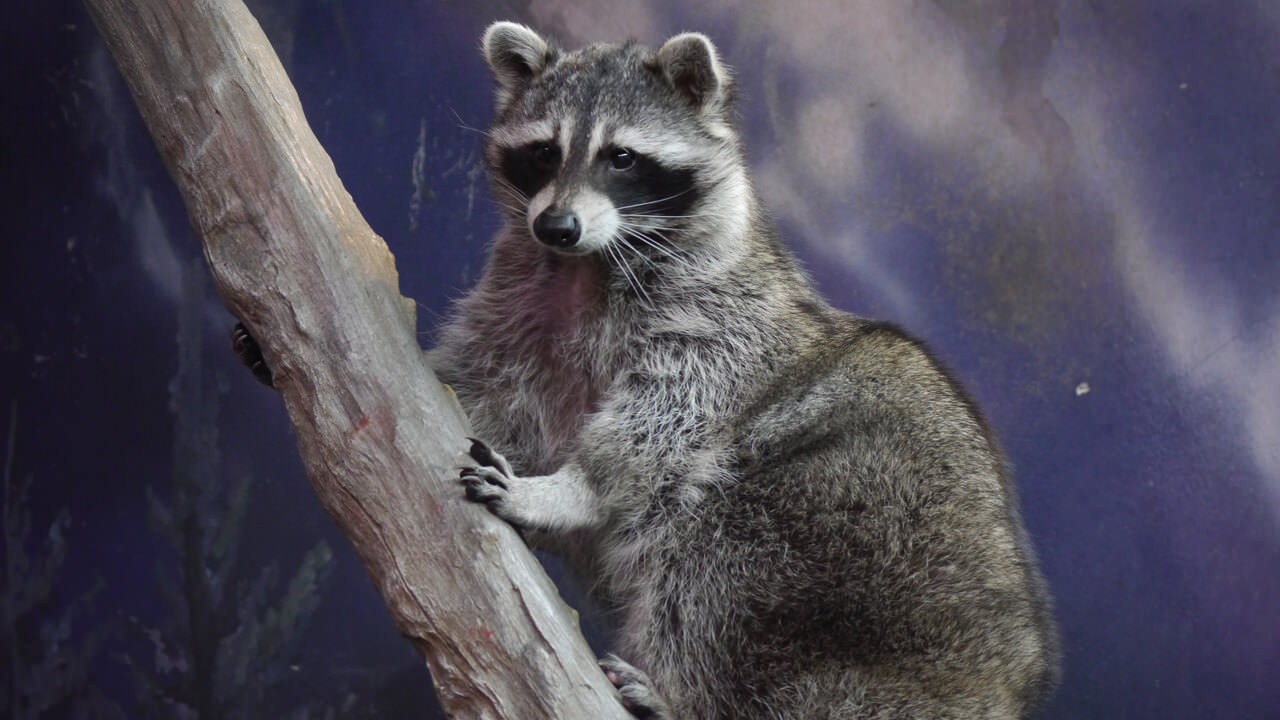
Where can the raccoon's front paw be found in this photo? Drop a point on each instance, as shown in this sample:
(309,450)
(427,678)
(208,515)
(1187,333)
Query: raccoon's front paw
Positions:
(250,354)
(489,482)
(638,695)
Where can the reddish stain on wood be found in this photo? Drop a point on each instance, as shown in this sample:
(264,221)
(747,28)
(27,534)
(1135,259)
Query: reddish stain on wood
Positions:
(381,417)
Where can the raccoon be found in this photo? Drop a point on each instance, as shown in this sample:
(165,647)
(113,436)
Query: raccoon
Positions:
(793,512)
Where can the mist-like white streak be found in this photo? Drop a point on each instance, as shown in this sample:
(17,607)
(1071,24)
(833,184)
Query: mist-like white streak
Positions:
(118,179)
(1197,319)
(1205,336)
(155,246)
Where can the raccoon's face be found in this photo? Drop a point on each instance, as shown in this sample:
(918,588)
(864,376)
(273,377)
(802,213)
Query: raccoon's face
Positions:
(612,150)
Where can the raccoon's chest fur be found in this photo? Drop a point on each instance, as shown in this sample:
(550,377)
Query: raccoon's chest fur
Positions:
(562,372)
(566,294)
(552,343)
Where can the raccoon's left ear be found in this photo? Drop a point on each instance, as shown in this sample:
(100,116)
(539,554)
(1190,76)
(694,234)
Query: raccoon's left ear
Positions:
(691,65)
(516,55)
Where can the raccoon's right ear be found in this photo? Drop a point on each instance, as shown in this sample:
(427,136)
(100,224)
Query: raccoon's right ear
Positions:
(516,55)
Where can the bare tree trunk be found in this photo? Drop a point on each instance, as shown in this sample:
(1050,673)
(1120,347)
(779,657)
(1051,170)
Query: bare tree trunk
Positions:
(295,261)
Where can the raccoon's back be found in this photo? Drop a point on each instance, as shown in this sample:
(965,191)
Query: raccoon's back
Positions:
(870,541)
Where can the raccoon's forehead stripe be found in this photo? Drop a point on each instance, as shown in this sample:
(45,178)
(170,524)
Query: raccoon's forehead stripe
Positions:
(575,139)
(598,134)
(565,135)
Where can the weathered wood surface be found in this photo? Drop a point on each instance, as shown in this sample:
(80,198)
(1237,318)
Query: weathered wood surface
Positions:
(295,261)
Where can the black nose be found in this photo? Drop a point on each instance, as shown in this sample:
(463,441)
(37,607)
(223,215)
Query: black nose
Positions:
(557,228)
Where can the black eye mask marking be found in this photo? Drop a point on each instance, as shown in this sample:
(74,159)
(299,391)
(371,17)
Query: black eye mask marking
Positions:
(639,185)
(529,168)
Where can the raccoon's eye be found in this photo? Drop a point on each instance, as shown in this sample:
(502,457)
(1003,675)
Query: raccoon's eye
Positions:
(622,159)
(545,155)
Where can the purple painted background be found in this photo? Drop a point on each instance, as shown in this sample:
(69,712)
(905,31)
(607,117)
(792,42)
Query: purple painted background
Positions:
(1077,204)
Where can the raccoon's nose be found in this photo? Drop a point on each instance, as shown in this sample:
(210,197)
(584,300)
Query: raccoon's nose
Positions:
(557,228)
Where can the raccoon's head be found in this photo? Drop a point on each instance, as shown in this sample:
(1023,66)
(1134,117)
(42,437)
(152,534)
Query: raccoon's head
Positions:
(616,150)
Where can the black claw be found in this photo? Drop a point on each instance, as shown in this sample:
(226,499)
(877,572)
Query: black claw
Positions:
(481,453)
(250,354)
(474,479)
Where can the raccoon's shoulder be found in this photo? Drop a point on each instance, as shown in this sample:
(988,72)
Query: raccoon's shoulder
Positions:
(860,373)
(882,354)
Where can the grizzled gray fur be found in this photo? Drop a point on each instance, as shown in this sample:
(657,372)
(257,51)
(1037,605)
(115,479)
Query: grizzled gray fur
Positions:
(794,512)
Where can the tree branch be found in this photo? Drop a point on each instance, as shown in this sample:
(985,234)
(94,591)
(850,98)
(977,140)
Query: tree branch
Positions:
(295,261)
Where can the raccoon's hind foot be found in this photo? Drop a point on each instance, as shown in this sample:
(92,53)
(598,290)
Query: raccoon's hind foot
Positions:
(638,695)
(250,354)
(489,481)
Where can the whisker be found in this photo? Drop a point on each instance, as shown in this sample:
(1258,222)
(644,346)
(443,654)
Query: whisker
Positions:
(686,216)
(505,185)
(654,202)
(506,204)
(626,242)
(670,252)
(663,244)
(644,294)
(612,252)
(634,282)
(463,124)
(657,228)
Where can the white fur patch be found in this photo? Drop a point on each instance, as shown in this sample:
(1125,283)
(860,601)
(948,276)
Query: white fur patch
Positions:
(596,142)
(538,203)
(667,148)
(600,221)
(512,136)
(599,218)
(564,135)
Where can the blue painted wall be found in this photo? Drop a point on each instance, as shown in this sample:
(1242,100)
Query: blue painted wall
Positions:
(1076,204)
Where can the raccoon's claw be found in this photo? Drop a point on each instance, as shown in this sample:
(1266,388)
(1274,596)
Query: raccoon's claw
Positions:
(483,484)
(486,483)
(250,354)
(487,456)
(638,696)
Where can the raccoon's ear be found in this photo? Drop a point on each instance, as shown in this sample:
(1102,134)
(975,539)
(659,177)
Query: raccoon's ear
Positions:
(516,55)
(690,63)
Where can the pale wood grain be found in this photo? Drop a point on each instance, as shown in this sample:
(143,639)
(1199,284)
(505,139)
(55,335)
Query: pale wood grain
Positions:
(295,261)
